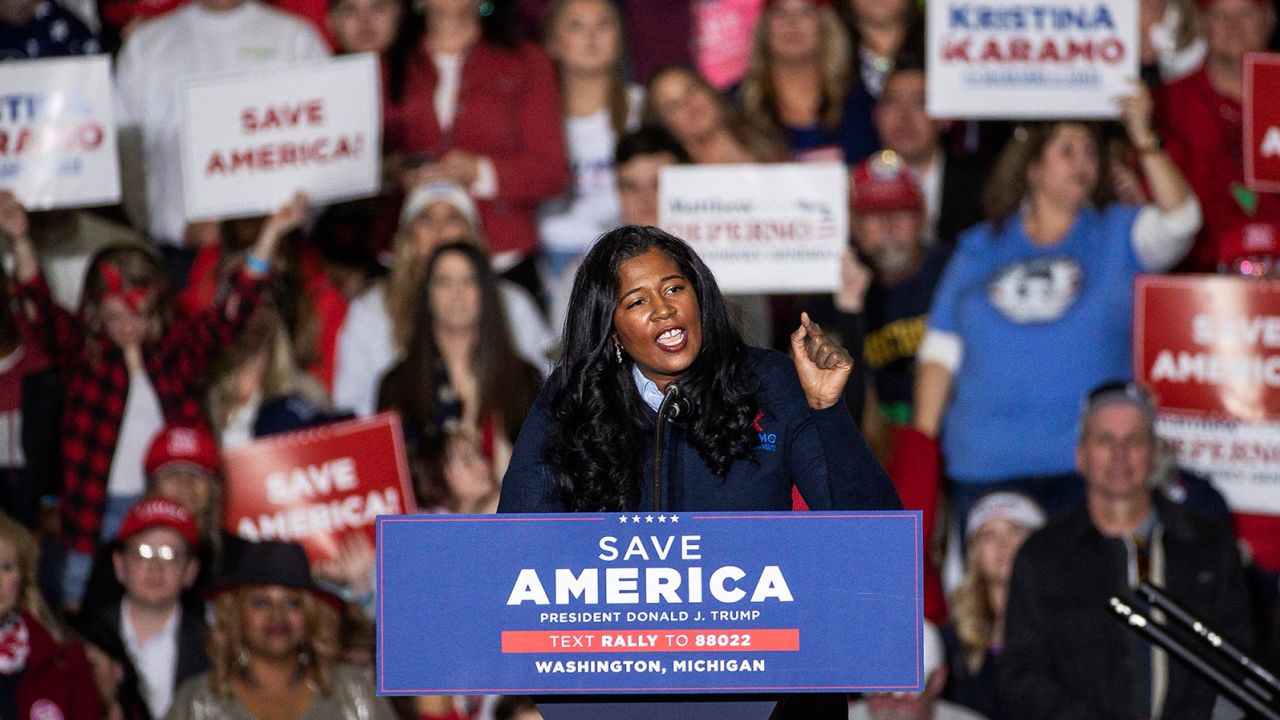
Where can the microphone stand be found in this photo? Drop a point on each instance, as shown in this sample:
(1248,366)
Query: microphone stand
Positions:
(669,408)
(1157,598)
(1250,690)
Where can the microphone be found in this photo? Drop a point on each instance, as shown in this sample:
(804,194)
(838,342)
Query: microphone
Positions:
(677,404)
(674,405)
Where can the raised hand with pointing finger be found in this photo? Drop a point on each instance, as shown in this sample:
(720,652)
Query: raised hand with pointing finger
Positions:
(822,365)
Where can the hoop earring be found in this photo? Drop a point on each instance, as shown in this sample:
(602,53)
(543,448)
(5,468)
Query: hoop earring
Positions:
(617,350)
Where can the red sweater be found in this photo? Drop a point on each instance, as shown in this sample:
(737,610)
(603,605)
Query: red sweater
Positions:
(58,681)
(1204,133)
(509,112)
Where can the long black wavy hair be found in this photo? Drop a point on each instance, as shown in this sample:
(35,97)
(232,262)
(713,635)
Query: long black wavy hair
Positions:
(597,443)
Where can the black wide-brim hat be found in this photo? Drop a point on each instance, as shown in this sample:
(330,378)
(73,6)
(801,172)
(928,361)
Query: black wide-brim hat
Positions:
(272,562)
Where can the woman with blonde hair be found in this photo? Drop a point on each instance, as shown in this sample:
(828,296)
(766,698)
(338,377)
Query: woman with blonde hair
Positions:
(274,647)
(799,83)
(259,367)
(997,527)
(42,673)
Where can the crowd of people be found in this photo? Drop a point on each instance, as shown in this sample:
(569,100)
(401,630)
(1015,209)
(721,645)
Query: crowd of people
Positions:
(986,296)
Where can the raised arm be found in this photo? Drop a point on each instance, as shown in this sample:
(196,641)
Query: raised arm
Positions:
(829,459)
(930,396)
(59,332)
(1164,230)
(200,340)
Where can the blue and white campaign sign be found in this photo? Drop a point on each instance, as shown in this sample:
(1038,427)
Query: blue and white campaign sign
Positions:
(695,602)
(58,133)
(1030,58)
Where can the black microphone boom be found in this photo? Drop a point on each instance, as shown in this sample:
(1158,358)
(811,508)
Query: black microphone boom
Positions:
(1207,653)
(673,406)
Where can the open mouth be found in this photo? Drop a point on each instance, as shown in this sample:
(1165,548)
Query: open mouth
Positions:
(673,339)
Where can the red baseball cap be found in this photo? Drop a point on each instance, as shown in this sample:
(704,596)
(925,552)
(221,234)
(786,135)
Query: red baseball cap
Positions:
(183,444)
(883,182)
(159,512)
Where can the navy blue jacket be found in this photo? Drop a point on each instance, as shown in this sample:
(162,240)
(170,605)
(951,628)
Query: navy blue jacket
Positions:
(818,451)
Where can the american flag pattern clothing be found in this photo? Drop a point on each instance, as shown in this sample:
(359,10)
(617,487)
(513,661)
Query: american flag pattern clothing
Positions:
(98,386)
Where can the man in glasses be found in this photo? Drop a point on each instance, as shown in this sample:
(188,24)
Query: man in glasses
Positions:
(1064,652)
(154,560)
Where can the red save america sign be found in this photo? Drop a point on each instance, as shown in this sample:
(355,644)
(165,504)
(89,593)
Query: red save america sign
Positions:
(318,486)
(1210,345)
(1262,121)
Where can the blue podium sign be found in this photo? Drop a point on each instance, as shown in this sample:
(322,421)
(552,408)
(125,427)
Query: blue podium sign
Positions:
(696,602)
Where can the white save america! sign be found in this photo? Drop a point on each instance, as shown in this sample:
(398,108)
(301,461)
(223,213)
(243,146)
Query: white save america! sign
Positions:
(250,140)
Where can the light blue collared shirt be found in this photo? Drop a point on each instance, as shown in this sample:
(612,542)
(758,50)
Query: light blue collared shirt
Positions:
(649,391)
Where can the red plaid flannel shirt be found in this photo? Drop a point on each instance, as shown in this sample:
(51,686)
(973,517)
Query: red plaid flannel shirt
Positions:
(98,385)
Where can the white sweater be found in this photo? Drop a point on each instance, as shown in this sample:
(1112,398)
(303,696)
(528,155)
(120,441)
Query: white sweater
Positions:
(190,42)
(366,350)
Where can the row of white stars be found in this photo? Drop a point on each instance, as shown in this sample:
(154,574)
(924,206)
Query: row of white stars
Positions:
(648,518)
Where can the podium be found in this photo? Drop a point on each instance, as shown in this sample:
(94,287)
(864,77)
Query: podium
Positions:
(629,616)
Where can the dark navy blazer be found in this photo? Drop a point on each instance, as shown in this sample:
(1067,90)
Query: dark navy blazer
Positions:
(818,451)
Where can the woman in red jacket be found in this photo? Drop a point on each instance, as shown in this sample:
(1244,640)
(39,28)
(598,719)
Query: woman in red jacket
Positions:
(482,110)
(42,675)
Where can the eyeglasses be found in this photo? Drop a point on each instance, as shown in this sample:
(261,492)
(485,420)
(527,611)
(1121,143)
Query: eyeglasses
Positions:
(163,553)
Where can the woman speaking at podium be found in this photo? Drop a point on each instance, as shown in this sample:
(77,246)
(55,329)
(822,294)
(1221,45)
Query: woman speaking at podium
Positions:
(645,315)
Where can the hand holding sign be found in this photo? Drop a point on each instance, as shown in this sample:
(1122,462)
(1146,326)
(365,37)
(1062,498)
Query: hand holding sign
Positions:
(855,280)
(1136,111)
(353,565)
(823,366)
(284,220)
(15,224)
(13,217)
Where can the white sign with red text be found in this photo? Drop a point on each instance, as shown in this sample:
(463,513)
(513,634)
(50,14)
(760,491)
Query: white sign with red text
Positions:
(58,133)
(776,228)
(250,140)
(1030,58)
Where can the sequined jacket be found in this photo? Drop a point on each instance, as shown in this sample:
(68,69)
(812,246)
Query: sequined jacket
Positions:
(353,698)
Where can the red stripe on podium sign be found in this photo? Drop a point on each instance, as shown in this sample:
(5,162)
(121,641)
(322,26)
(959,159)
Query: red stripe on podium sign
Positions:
(586,641)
